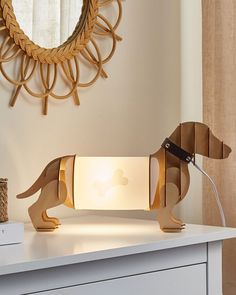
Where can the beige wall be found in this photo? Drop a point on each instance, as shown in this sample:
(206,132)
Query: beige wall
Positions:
(191,96)
(129,114)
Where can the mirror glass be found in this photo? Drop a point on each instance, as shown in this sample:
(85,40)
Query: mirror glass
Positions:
(47,23)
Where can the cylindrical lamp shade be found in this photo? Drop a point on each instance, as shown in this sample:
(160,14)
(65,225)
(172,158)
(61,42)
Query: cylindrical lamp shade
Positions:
(113,183)
(110,183)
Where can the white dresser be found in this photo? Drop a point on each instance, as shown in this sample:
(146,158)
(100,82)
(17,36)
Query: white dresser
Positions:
(94,255)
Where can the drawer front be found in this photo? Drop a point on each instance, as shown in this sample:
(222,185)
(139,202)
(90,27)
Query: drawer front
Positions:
(184,280)
(102,270)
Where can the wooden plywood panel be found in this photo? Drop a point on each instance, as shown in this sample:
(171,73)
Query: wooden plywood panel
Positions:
(201,139)
(187,131)
(215,149)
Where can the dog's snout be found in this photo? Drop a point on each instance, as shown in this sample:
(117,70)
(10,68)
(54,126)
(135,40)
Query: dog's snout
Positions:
(226,151)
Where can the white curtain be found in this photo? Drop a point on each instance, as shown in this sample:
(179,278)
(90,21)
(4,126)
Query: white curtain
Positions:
(47,22)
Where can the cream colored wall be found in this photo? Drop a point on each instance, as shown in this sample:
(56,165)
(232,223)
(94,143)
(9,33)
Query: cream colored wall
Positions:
(191,96)
(129,114)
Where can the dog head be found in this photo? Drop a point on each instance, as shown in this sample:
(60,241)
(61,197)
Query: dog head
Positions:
(197,138)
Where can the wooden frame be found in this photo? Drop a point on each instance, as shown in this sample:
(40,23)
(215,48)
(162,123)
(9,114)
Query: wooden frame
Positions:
(57,187)
(64,59)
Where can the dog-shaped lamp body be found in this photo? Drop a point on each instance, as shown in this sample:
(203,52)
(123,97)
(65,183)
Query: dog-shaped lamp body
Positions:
(57,184)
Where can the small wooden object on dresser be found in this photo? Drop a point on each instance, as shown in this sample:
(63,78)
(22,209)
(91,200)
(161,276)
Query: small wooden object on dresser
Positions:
(3,200)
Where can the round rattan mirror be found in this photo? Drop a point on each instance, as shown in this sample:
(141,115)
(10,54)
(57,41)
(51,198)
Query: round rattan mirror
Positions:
(50,65)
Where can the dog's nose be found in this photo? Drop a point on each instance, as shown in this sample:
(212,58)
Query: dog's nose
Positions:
(226,151)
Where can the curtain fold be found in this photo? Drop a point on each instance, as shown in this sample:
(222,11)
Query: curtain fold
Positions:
(70,12)
(219,112)
(21,9)
(48,22)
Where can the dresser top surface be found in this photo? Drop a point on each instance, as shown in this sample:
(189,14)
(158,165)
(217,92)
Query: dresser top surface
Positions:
(89,238)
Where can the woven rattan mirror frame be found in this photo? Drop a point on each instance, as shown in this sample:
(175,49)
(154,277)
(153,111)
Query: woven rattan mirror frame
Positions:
(15,45)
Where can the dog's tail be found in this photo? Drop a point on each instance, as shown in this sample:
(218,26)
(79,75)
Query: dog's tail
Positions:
(42,180)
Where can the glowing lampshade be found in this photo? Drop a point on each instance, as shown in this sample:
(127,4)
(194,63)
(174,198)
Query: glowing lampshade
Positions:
(114,183)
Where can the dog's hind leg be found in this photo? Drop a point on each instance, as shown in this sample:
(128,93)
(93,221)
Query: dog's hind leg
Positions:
(50,218)
(37,219)
(167,221)
(47,199)
(178,221)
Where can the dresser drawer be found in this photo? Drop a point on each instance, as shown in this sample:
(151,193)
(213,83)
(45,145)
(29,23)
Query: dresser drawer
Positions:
(104,270)
(183,280)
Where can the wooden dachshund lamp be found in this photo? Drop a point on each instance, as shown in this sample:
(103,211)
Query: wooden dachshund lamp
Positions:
(163,176)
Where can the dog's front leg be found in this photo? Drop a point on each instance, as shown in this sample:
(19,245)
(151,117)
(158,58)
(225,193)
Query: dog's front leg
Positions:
(170,197)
